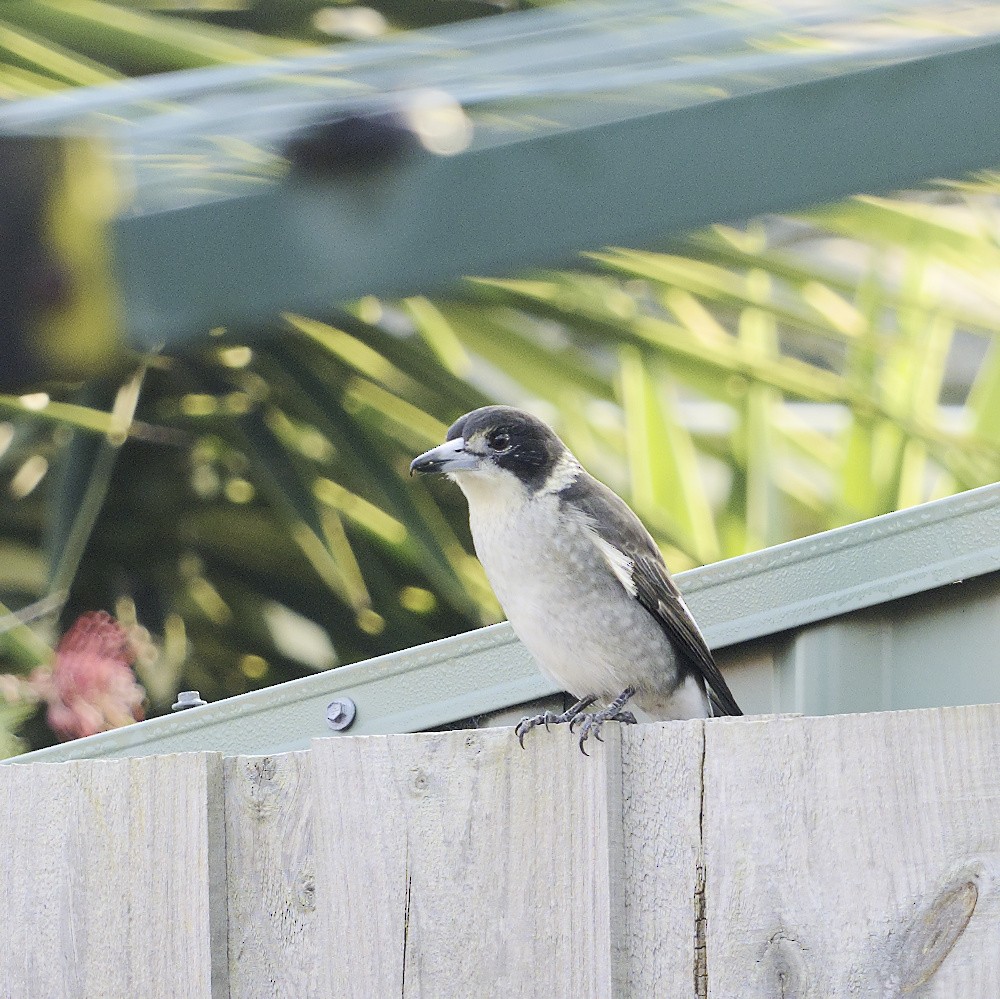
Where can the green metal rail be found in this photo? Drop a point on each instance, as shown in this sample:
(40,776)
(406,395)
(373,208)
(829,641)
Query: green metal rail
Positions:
(781,598)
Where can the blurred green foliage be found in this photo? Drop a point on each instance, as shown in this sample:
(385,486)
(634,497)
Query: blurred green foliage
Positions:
(250,504)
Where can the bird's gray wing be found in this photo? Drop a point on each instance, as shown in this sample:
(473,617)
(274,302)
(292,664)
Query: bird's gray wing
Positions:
(658,593)
(636,562)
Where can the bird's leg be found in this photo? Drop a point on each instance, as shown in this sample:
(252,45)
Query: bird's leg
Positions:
(613,712)
(547,718)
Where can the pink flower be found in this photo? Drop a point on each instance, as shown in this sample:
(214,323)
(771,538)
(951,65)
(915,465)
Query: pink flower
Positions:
(91,687)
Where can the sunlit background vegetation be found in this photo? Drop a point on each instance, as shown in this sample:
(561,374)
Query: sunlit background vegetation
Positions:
(248,505)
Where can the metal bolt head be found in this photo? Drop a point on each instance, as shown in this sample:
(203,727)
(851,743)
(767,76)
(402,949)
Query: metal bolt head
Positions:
(187,699)
(340,713)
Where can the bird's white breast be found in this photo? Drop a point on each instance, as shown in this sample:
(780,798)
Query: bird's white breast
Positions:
(581,626)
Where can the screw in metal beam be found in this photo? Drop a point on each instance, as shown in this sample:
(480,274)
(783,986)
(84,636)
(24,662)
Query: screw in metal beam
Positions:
(340,713)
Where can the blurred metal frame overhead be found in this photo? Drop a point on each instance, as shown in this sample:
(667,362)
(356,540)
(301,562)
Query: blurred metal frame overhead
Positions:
(572,128)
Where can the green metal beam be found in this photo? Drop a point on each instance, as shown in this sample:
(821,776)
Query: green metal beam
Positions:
(591,125)
(743,600)
(309,245)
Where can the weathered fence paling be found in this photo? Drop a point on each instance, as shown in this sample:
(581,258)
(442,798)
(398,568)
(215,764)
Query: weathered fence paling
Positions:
(763,857)
(113,881)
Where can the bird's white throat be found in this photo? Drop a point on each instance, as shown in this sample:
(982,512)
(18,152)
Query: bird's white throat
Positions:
(491,487)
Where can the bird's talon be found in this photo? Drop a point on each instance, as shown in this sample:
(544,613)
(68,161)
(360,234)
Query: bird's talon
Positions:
(523,727)
(591,724)
(571,715)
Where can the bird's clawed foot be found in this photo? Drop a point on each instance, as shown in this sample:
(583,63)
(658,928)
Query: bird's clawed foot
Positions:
(547,718)
(590,724)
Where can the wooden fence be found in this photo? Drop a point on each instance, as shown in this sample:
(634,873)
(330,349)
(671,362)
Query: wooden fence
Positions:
(854,855)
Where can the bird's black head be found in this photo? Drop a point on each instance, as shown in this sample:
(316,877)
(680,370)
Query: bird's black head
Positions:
(497,439)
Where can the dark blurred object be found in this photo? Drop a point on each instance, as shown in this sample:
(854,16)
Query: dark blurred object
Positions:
(360,143)
(351,143)
(57,311)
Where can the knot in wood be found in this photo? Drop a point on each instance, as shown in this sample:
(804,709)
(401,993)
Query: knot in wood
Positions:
(784,967)
(934,931)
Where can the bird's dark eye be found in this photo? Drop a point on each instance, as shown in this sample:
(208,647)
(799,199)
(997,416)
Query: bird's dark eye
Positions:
(499,440)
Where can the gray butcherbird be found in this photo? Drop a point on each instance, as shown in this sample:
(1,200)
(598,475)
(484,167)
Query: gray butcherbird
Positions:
(581,581)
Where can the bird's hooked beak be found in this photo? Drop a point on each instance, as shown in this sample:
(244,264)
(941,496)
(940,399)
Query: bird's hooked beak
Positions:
(448,457)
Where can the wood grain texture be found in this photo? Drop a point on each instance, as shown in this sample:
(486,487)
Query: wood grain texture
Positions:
(661,835)
(454,864)
(849,856)
(273,940)
(113,880)
(854,855)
